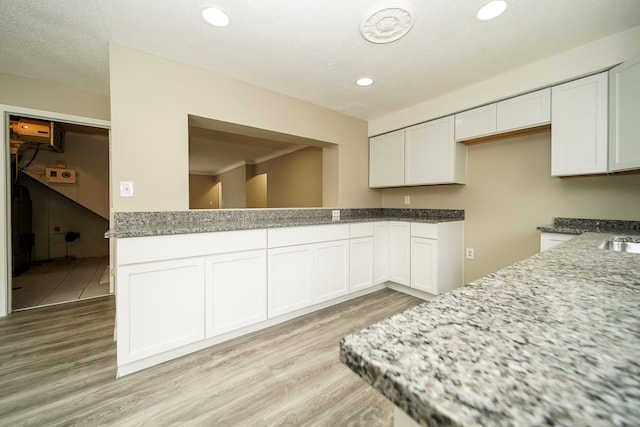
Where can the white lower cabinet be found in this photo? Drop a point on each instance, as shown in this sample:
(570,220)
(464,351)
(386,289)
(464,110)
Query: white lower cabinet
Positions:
(381,252)
(174,292)
(290,279)
(235,291)
(178,294)
(361,255)
(424,264)
(159,307)
(399,252)
(309,266)
(361,263)
(332,270)
(437,263)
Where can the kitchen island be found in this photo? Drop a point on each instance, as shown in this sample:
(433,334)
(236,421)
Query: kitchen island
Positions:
(553,339)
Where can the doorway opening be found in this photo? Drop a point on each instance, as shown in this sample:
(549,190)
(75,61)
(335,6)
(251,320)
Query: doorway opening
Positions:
(59,210)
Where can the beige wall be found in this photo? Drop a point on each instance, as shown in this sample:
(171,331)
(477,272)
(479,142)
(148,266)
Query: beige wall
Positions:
(294,180)
(234,188)
(37,94)
(510,192)
(257,191)
(151,98)
(203,192)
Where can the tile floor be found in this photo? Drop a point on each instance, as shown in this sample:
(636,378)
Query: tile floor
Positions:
(54,282)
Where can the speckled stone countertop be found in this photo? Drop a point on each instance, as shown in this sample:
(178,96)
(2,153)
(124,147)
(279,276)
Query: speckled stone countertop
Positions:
(141,224)
(551,340)
(581,225)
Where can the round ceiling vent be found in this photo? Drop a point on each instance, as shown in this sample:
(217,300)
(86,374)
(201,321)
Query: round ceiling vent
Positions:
(387,22)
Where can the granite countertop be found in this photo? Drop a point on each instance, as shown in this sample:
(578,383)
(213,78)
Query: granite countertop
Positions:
(551,340)
(581,225)
(141,224)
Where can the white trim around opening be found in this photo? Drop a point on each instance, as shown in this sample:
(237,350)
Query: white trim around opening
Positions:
(5,215)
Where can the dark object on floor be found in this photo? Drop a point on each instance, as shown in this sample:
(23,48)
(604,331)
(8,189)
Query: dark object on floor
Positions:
(71,236)
(22,237)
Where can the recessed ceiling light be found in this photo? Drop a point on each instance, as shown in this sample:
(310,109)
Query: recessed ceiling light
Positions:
(491,10)
(364,81)
(215,16)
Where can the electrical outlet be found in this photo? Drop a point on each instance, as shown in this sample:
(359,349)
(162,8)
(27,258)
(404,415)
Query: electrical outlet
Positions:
(407,200)
(126,189)
(470,253)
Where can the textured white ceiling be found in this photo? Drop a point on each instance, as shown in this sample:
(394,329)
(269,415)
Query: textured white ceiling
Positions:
(311,50)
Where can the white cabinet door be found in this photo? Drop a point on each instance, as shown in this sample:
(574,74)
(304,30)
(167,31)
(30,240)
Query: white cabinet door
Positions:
(432,155)
(290,279)
(528,110)
(437,264)
(424,264)
(624,114)
(399,252)
(474,123)
(579,117)
(332,270)
(160,307)
(361,261)
(386,160)
(235,291)
(381,247)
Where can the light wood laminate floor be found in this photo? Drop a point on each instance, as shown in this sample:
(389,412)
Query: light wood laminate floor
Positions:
(58,366)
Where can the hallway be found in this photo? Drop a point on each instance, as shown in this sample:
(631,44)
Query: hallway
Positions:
(55,282)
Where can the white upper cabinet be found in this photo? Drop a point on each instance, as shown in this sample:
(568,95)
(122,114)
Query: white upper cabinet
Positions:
(579,117)
(624,114)
(480,121)
(386,160)
(423,154)
(432,155)
(531,109)
(520,112)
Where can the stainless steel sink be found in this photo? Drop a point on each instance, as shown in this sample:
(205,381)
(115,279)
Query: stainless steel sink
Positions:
(622,244)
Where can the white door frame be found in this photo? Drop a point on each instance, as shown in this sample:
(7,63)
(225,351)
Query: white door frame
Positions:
(5,214)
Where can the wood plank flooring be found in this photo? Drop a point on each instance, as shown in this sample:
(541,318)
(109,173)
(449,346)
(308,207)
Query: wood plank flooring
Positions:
(58,365)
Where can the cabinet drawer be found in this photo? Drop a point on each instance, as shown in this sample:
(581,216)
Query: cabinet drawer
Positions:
(425,230)
(289,236)
(157,248)
(361,229)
